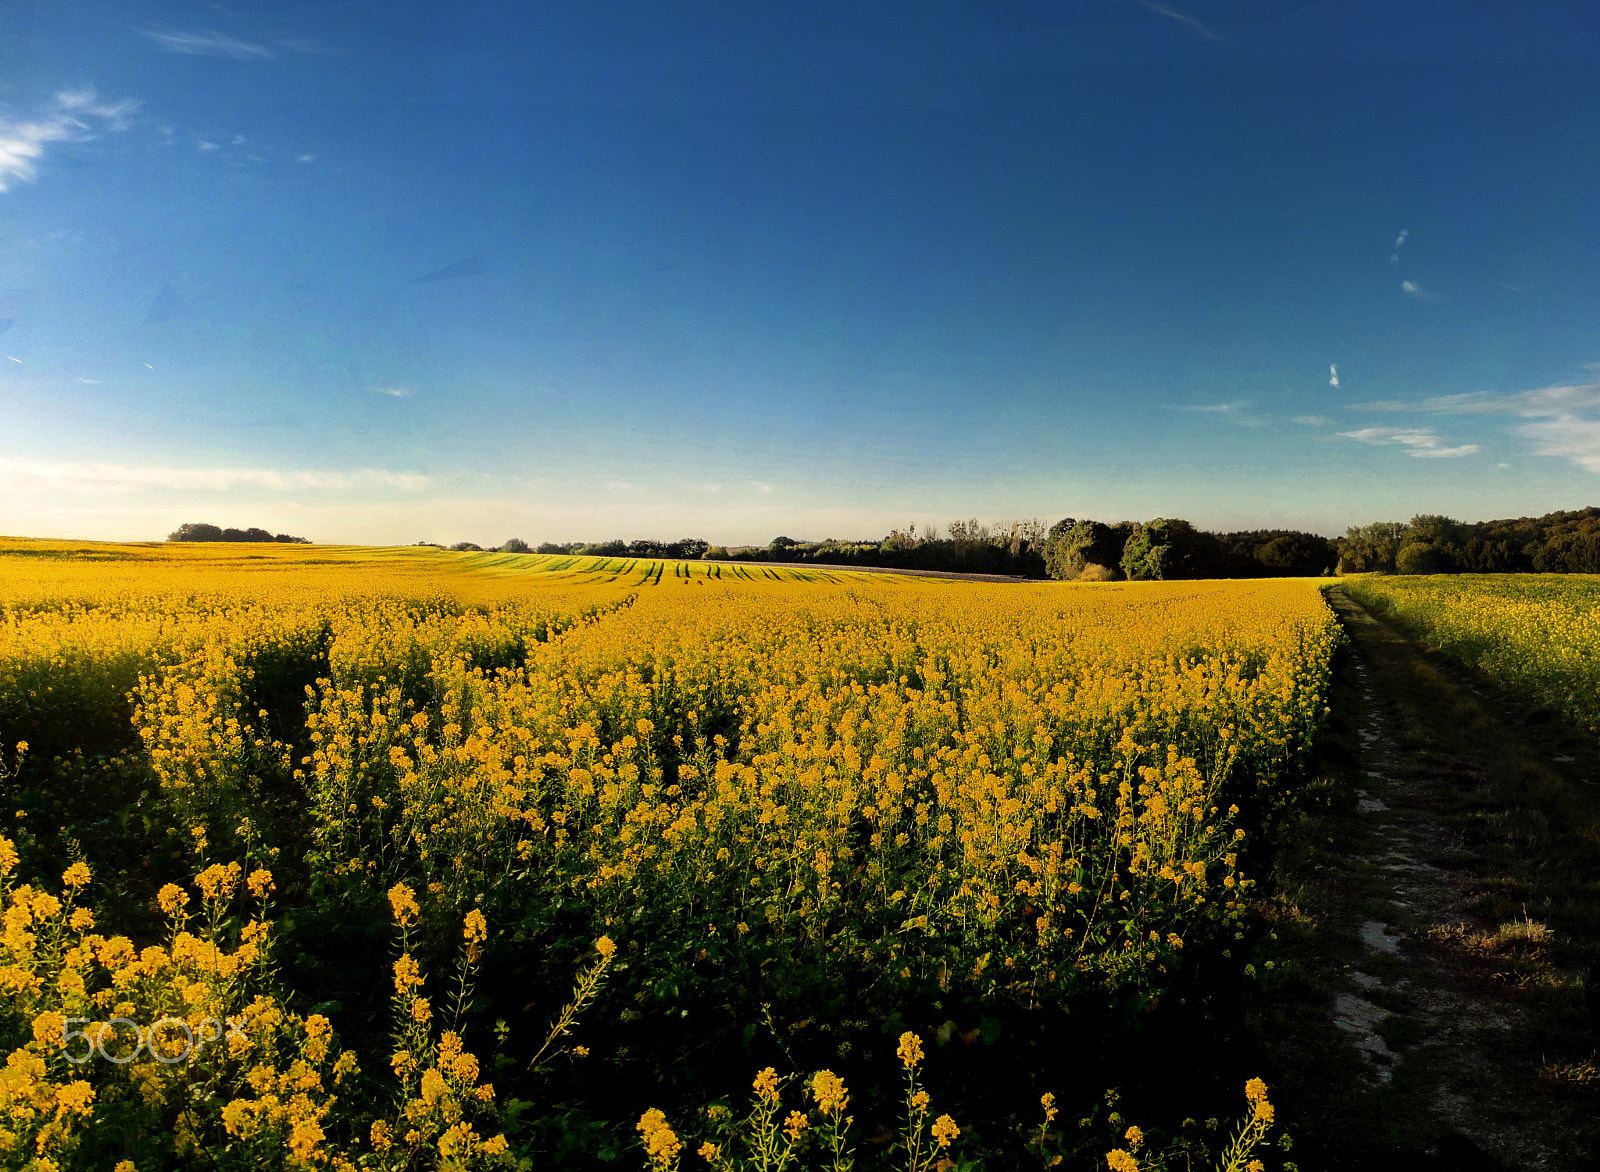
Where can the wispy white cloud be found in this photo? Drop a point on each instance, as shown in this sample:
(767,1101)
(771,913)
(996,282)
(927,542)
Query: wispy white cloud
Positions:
(72,116)
(206,146)
(394,392)
(1564,399)
(1399,240)
(1234,412)
(1565,418)
(1313,420)
(1417,292)
(1417,441)
(93,478)
(1182,18)
(207,43)
(760,487)
(93,382)
(1333,375)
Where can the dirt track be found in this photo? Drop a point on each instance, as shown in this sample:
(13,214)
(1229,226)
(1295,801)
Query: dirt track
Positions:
(1455,911)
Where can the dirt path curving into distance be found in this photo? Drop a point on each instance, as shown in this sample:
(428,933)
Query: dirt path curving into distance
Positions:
(1452,907)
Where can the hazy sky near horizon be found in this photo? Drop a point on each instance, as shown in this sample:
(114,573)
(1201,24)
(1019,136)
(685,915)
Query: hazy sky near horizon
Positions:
(387,272)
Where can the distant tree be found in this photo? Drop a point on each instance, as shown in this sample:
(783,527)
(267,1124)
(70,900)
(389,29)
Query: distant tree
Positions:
(550,547)
(1068,552)
(1302,555)
(515,545)
(1434,530)
(1422,557)
(466,547)
(1169,548)
(716,552)
(196,531)
(1371,548)
(615,548)
(285,539)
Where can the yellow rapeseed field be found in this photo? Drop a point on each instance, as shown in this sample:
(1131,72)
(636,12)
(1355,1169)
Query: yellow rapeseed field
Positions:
(1537,635)
(771,788)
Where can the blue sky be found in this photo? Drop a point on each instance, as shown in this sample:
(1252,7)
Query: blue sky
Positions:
(385,272)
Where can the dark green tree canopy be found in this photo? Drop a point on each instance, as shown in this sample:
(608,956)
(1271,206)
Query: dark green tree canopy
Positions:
(203,531)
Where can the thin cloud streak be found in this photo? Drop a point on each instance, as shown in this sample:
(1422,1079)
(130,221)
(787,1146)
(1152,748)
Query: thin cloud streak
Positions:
(96,478)
(1417,292)
(207,43)
(1234,412)
(1418,441)
(1182,18)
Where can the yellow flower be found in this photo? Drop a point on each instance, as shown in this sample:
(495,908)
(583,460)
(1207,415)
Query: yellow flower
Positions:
(50,1028)
(8,856)
(1121,1161)
(709,1152)
(259,882)
(945,1130)
(304,1137)
(476,928)
(830,1092)
(76,1097)
(1256,1091)
(660,1142)
(81,919)
(605,947)
(920,1101)
(766,1084)
(1135,1138)
(172,899)
(76,875)
(406,974)
(403,901)
(910,1049)
(381,1133)
(217,881)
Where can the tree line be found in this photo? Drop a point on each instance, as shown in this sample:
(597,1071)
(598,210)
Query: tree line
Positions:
(1072,549)
(201,531)
(1089,550)
(1556,543)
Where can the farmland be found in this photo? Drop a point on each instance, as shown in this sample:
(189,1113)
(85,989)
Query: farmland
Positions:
(481,856)
(1536,635)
